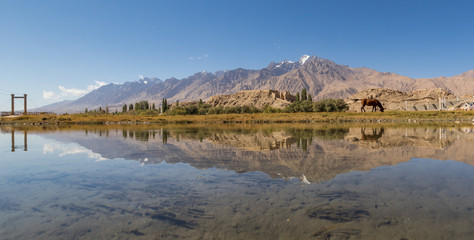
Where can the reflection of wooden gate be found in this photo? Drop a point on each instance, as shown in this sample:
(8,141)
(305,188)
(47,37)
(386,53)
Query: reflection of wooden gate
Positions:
(25,141)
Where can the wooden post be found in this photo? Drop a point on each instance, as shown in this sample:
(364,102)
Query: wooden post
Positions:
(24,96)
(13,104)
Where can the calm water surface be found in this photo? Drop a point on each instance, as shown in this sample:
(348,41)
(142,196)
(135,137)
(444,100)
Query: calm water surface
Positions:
(237,182)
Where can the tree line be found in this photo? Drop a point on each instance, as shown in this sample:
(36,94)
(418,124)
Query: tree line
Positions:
(303,103)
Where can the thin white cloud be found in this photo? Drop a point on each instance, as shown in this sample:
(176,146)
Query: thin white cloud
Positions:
(70,93)
(199,57)
(141,76)
(277,45)
(48,95)
(65,150)
(98,84)
(48,148)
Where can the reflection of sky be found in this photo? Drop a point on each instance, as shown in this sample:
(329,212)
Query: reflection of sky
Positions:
(65,150)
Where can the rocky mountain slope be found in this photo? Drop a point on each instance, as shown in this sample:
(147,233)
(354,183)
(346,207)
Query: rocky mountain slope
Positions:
(321,77)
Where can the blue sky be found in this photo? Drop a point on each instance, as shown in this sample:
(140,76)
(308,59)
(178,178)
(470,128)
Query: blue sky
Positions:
(56,50)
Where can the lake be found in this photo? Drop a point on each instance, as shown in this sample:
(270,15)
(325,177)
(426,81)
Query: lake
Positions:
(332,181)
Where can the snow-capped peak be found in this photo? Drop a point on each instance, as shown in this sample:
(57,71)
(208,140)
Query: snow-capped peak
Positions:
(146,81)
(284,62)
(303,59)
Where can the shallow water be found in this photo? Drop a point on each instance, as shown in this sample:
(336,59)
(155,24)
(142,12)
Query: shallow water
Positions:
(236,182)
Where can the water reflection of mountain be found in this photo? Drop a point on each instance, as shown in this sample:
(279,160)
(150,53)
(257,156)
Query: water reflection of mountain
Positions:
(312,154)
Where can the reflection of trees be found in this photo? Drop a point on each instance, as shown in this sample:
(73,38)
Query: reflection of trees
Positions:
(251,139)
(164,136)
(316,154)
(304,137)
(143,136)
(282,152)
(332,134)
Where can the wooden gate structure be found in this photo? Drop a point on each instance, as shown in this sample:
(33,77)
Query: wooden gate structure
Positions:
(13,104)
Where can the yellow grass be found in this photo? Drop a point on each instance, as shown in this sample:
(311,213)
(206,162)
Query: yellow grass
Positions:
(391,116)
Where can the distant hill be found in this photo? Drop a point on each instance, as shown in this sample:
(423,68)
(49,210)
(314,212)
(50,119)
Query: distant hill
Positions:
(321,77)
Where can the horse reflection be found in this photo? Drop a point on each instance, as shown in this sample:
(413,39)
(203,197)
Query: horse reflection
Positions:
(376,134)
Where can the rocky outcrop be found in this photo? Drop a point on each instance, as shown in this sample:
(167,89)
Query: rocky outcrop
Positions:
(418,100)
(257,98)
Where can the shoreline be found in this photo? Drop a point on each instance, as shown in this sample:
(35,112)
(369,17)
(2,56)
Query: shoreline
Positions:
(458,117)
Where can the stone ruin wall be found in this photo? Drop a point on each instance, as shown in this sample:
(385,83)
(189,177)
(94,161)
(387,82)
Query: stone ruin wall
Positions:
(275,94)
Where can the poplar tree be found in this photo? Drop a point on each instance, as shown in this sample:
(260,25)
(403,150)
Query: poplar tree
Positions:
(164,104)
(304,95)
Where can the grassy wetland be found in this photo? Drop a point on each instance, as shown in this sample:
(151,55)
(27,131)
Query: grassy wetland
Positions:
(153,118)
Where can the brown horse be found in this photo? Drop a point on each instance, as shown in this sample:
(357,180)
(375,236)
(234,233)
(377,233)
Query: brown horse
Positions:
(374,103)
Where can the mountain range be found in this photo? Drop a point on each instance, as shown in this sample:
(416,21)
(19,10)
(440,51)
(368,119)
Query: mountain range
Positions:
(321,77)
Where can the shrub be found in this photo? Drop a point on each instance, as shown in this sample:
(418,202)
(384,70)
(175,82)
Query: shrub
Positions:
(299,106)
(326,105)
(268,109)
(330,105)
(216,110)
(177,111)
